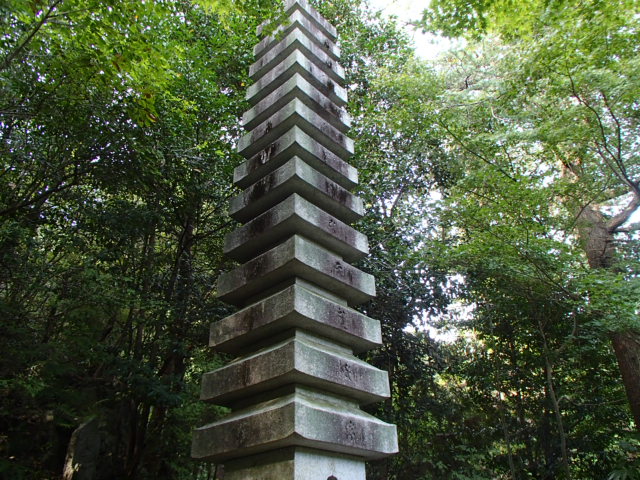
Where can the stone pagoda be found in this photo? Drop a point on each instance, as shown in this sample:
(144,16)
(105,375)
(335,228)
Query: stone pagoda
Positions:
(295,387)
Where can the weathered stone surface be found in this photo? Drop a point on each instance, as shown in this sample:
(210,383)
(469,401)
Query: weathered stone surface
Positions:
(295,307)
(83,452)
(296,176)
(306,8)
(302,359)
(295,113)
(297,143)
(297,62)
(295,386)
(296,464)
(300,40)
(298,19)
(296,257)
(295,215)
(304,418)
(297,87)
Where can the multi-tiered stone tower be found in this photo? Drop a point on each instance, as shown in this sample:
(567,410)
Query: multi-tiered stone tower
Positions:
(295,388)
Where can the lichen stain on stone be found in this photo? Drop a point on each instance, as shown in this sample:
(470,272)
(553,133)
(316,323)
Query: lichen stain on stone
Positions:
(246,373)
(265,155)
(335,110)
(255,267)
(260,224)
(335,192)
(330,85)
(260,188)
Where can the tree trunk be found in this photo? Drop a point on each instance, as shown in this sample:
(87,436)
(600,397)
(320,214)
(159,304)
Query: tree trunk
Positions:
(555,404)
(627,348)
(599,244)
(507,436)
(596,239)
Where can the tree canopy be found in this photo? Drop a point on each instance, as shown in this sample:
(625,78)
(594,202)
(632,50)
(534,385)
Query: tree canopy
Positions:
(501,182)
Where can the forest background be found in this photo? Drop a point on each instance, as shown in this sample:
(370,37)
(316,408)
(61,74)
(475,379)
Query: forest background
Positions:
(500,181)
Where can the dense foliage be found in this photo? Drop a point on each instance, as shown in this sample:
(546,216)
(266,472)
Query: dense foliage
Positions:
(118,121)
(500,182)
(538,114)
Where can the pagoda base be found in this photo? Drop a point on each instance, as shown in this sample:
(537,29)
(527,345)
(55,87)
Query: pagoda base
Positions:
(296,464)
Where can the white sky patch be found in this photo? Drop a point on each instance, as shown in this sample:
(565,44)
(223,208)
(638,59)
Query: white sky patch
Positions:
(427,45)
(456,312)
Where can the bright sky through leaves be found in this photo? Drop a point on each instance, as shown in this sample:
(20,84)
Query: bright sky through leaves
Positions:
(428,46)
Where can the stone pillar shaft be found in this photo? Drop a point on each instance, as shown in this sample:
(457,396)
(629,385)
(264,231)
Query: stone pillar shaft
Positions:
(295,387)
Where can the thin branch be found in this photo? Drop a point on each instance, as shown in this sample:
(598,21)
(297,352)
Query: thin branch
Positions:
(551,281)
(396,201)
(13,55)
(571,338)
(634,227)
(549,371)
(546,276)
(33,200)
(582,101)
(614,170)
(476,154)
(66,13)
(618,220)
(579,215)
(623,169)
